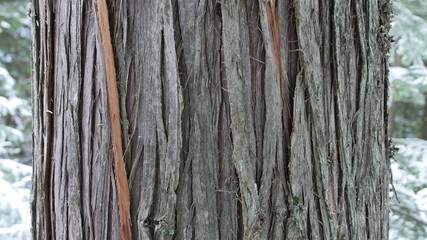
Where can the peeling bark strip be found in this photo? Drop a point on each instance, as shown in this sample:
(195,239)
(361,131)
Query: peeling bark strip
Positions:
(239,119)
(272,18)
(114,113)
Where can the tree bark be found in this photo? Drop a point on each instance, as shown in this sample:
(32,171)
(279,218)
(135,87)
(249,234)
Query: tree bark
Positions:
(239,119)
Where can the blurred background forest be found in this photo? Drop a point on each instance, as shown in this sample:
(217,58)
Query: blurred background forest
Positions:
(407,102)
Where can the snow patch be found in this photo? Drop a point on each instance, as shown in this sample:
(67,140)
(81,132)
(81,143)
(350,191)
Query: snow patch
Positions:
(15,217)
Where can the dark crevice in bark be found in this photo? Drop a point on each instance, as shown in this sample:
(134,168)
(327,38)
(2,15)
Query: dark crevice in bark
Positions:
(262,119)
(367,221)
(340,152)
(78,131)
(240,226)
(269,218)
(309,229)
(184,199)
(81,102)
(134,192)
(317,186)
(257,68)
(150,222)
(293,68)
(386,16)
(182,70)
(387,112)
(357,42)
(323,26)
(183,78)
(366,14)
(109,218)
(163,93)
(67,220)
(89,167)
(48,85)
(348,214)
(293,45)
(262,85)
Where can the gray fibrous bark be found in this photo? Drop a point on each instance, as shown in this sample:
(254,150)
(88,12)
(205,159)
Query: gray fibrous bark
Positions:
(240,119)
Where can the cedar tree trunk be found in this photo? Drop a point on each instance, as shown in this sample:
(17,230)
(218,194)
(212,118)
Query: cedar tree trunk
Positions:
(234,119)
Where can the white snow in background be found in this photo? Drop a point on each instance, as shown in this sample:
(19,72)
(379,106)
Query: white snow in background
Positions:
(5,77)
(15,184)
(397,72)
(414,153)
(415,76)
(409,212)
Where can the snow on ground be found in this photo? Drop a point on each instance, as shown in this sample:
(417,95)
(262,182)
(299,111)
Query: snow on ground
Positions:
(15,185)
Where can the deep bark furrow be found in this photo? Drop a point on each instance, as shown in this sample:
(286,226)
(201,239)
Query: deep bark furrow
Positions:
(257,62)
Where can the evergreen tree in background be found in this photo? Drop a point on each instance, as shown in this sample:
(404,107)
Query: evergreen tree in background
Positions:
(408,120)
(15,86)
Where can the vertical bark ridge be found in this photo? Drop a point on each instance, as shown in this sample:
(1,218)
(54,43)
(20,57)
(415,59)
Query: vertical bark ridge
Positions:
(344,32)
(147,140)
(66,150)
(289,51)
(308,30)
(273,177)
(42,64)
(228,194)
(152,98)
(204,92)
(88,128)
(184,210)
(199,30)
(243,153)
(228,182)
(169,134)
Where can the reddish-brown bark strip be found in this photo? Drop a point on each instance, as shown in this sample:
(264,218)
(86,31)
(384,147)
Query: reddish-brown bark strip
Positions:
(272,15)
(114,113)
